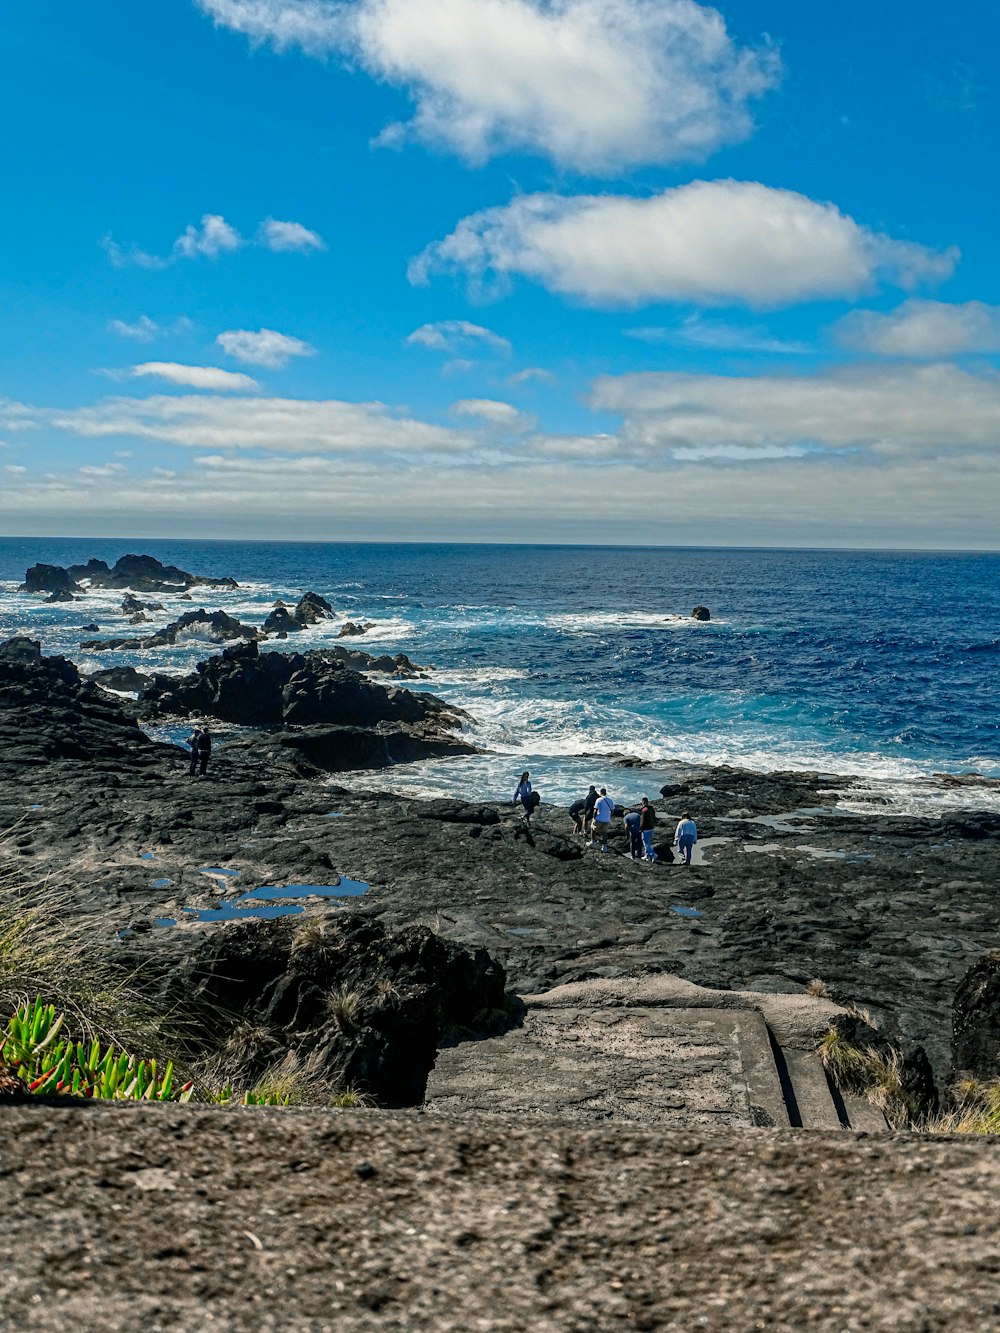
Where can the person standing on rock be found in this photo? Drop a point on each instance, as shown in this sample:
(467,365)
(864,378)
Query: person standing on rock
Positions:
(603,811)
(200,743)
(590,801)
(647,822)
(633,827)
(528,798)
(685,836)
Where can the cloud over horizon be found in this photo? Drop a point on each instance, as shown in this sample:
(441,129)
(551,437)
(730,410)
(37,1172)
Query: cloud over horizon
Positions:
(923,330)
(265,347)
(599,86)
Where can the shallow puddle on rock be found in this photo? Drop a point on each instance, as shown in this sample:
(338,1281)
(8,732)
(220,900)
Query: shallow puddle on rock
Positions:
(347,888)
(233,912)
(217,870)
(335,814)
(685,911)
(164,921)
(815,853)
(525,930)
(147,856)
(161,883)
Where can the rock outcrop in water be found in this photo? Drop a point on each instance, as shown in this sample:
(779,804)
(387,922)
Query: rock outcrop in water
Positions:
(201,626)
(140,573)
(246,686)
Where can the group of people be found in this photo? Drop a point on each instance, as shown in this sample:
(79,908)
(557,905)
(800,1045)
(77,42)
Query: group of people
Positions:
(200,745)
(594,813)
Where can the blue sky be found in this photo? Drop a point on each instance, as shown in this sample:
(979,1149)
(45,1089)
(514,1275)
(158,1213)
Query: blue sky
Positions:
(601,270)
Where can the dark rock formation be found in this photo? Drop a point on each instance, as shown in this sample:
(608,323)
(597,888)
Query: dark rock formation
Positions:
(312,608)
(48,578)
(122,678)
(90,629)
(143,573)
(280,621)
(266,689)
(60,595)
(701,613)
(49,712)
(398,664)
(132,606)
(214,626)
(975,1040)
(352,629)
(359,1006)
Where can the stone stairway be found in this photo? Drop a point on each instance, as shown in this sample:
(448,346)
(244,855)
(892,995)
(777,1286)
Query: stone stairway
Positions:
(607,1053)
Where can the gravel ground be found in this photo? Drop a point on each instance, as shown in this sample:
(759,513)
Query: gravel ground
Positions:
(186,1218)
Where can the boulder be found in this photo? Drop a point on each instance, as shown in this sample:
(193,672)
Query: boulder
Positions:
(352,629)
(280,621)
(21,649)
(124,679)
(143,573)
(90,629)
(132,606)
(701,613)
(312,608)
(397,664)
(61,595)
(48,578)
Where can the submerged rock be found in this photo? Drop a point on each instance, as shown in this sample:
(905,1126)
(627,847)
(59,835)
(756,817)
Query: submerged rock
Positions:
(352,629)
(701,613)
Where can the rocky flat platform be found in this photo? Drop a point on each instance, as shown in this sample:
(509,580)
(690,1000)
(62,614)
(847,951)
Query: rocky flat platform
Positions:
(180,1218)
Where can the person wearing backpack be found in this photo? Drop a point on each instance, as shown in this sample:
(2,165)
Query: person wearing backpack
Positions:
(647,822)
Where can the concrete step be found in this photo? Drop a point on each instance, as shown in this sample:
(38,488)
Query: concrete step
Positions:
(764,1091)
(813,1099)
(864,1117)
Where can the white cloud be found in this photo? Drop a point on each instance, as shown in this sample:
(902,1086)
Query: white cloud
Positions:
(923,329)
(696,331)
(14,470)
(144,329)
(532,373)
(196,377)
(94,472)
(453,335)
(596,85)
(120,257)
(888,410)
(502,415)
(288,236)
(712,242)
(286,425)
(213,238)
(266,347)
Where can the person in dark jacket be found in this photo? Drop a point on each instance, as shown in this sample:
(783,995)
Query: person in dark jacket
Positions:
(528,799)
(200,744)
(632,823)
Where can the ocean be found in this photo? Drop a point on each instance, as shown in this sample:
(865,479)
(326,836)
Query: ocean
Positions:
(879,666)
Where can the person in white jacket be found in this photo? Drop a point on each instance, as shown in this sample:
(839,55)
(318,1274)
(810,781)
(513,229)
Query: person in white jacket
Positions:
(603,812)
(685,836)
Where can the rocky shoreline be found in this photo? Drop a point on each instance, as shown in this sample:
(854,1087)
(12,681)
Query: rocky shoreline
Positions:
(888,912)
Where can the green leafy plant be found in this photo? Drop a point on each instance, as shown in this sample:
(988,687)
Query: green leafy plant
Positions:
(34,1048)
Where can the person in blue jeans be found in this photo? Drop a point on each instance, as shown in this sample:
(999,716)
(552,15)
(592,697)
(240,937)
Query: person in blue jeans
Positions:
(685,837)
(647,822)
(632,822)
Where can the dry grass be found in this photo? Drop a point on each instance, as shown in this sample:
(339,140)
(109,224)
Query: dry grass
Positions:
(46,950)
(818,989)
(342,1005)
(865,1071)
(976,1110)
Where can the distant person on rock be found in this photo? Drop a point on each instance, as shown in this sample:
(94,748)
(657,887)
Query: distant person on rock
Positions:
(583,811)
(603,811)
(528,798)
(588,811)
(647,822)
(633,827)
(200,743)
(685,836)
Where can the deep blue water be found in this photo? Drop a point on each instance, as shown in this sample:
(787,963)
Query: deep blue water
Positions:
(880,664)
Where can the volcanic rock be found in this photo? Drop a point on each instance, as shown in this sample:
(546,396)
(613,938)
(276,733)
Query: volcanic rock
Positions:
(49,712)
(360,1006)
(60,595)
(265,689)
(48,578)
(701,613)
(124,679)
(201,625)
(280,621)
(975,1041)
(131,605)
(312,608)
(143,573)
(352,629)
(397,664)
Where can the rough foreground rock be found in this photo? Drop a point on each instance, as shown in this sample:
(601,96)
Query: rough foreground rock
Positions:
(184,1219)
